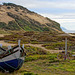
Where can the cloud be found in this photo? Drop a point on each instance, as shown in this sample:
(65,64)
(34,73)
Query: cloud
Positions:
(60,16)
(69,4)
(48,4)
(69,24)
(66,20)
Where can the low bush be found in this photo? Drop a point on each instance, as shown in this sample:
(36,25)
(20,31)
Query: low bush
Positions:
(30,50)
(55,45)
(28,73)
(36,57)
(34,42)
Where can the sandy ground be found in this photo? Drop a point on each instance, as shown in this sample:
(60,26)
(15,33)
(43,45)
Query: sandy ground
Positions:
(6,44)
(2,35)
(40,46)
(34,45)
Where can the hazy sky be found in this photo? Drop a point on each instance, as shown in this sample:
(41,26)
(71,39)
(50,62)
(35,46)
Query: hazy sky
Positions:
(62,11)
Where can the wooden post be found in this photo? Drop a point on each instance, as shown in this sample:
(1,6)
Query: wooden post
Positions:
(65,46)
(65,49)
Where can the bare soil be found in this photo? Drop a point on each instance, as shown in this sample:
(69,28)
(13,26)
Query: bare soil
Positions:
(34,45)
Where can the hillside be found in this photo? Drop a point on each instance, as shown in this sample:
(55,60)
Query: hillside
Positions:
(16,17)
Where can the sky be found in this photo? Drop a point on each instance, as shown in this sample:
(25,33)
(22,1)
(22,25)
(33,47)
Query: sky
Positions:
(62,11)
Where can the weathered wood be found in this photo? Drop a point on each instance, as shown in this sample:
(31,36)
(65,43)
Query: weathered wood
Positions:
(65,46)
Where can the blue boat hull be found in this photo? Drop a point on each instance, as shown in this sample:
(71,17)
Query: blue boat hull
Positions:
(11,65)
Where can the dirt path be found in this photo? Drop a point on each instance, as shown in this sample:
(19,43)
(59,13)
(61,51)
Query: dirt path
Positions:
(6,44)
(34,45)
(40,46)
(2,35)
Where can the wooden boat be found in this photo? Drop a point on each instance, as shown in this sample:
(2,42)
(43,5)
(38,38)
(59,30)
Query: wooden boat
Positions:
(12,59)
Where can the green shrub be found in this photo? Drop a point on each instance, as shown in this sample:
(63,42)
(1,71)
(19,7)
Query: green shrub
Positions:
(49,47)
(36,57)
(52,57)
(34,42)
(30,74)
(3,25)
(30,50)
(46,29)
(52,61)
(55,45)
